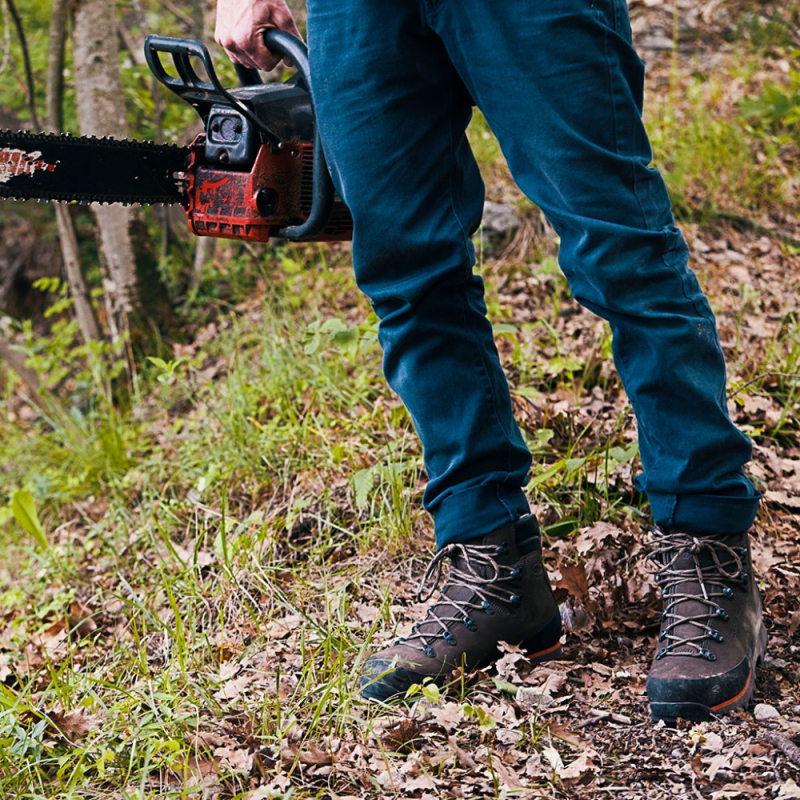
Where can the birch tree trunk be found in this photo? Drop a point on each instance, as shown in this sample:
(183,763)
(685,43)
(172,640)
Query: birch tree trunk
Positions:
(101,110)
(66,230)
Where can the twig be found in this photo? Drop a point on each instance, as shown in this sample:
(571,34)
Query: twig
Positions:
(600,716)
(760,377)
(782,743)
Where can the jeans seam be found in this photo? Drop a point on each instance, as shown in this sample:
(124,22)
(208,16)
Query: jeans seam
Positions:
(451,150)
(486,379)
(481,360)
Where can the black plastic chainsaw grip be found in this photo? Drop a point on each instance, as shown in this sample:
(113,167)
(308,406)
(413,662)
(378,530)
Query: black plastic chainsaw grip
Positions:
(247,75)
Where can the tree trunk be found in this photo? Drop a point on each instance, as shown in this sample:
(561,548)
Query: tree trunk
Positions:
(101,110)
(66,230)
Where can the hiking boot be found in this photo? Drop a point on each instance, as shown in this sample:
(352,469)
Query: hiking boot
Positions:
(712,633)
(497,590)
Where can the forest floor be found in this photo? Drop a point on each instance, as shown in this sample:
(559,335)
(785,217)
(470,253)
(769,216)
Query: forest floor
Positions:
(223,552)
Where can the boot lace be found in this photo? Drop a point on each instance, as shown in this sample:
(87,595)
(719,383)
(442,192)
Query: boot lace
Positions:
(727,566)
(479,573)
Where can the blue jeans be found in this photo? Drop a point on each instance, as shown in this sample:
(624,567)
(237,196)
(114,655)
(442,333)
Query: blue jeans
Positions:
(561,86)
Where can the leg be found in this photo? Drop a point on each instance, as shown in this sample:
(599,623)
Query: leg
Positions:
(568,117)
(392,112)
(562,88)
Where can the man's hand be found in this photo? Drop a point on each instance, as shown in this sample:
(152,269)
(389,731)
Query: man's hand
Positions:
(241,25)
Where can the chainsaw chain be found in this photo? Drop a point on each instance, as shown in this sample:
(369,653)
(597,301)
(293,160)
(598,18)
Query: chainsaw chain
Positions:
(92,142)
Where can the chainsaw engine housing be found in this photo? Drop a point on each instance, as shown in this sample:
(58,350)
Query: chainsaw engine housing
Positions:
(258,170)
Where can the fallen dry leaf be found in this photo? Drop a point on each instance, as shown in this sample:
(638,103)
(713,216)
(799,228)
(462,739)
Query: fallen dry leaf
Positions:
(75,724)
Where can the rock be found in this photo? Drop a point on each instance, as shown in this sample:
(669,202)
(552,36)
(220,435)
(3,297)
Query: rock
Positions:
(655,43)
(499,220)
(530,698)
(763,712)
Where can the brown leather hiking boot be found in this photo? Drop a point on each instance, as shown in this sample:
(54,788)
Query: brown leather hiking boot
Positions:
(712,632)
(497,590)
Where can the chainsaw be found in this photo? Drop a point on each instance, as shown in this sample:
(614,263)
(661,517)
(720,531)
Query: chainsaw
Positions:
(256,172)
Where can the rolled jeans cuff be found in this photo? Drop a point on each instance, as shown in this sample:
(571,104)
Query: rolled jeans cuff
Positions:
(703,513)
(476,511)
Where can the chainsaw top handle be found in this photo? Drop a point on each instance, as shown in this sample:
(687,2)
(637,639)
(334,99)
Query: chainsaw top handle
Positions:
(203,94)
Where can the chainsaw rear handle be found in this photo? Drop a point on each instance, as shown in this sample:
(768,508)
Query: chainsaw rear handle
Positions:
(322,192)
(203,94)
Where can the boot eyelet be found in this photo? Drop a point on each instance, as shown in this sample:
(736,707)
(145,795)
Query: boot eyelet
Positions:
(515,600)
(742,551)
(429,651)
(664,593)
(469,624)
(450,639)
(722,614)
(727,591)
(664,614)
(501,549)
(487,607)
(745,576)
(657,579)
(715,634)
(708,655)
(661,653)
(662,636)
(515,573)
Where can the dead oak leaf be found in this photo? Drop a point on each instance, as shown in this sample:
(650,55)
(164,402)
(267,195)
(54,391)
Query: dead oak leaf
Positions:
(592,540)
(402,737)
(507,776)
(448,716)
(574,581)
(579,767)
(237,759)
(232,689)
(75,724)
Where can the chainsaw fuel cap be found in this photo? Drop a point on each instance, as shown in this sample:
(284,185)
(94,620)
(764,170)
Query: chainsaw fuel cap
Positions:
(230,138)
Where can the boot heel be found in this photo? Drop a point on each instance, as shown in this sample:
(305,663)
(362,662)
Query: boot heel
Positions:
(545,645)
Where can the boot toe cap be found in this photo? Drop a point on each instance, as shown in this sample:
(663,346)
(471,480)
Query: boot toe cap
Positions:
(696,698)
(384,681)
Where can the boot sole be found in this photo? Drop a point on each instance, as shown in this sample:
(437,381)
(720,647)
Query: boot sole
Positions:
(391,688)
(698,712)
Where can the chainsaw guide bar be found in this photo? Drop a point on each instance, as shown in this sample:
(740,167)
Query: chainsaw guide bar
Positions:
(87,169)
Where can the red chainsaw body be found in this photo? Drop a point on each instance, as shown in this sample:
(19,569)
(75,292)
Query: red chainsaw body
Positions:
(252,205)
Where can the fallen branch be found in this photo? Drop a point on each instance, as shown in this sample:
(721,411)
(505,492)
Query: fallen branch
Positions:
(600,716)
(784,744)
(704,214)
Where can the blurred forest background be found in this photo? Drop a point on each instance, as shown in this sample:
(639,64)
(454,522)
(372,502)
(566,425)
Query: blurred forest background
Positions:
(210,503)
